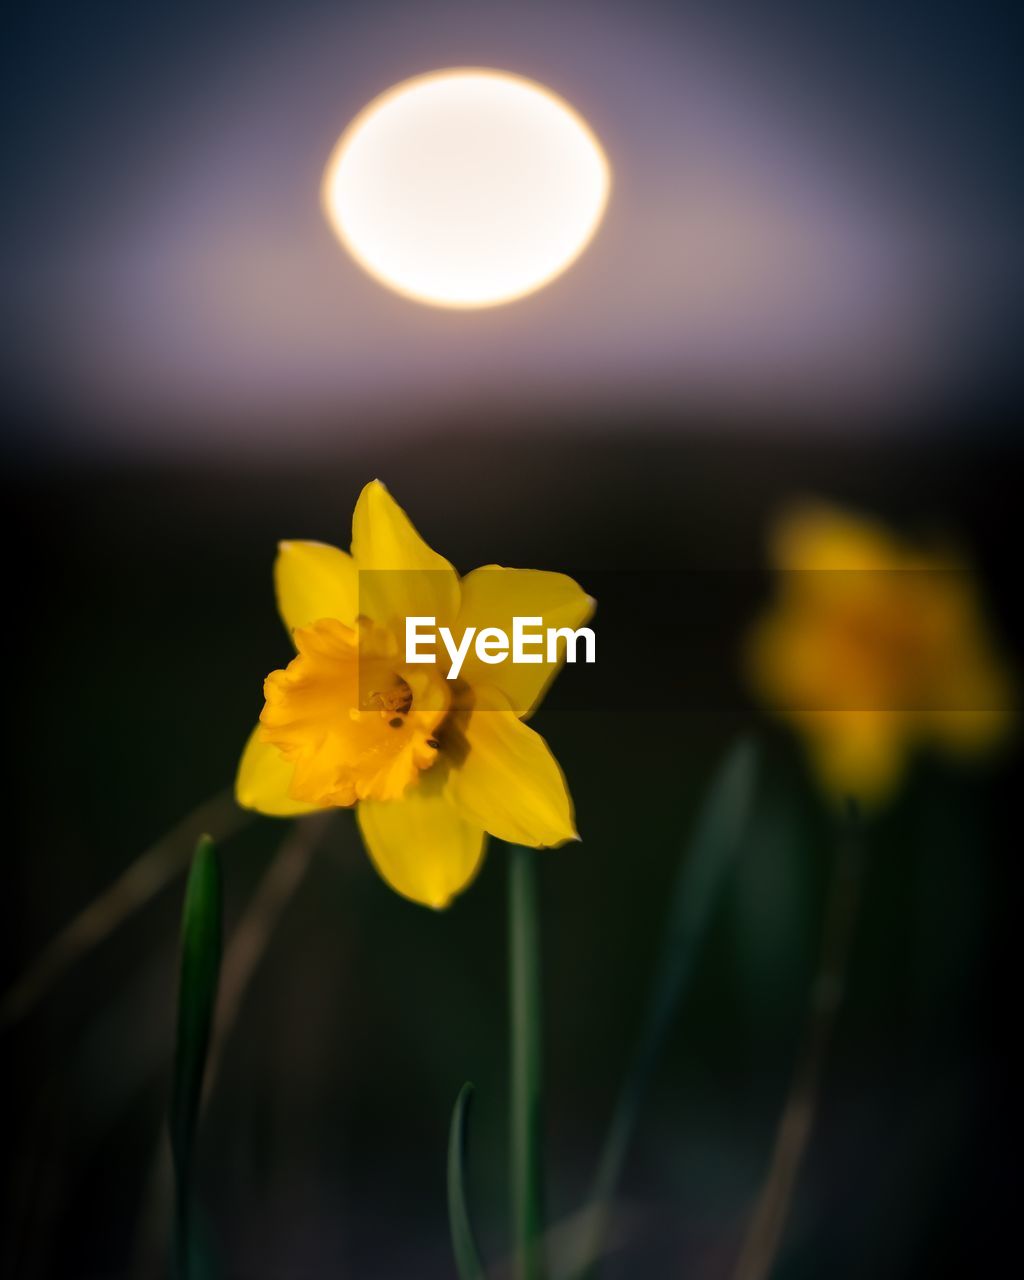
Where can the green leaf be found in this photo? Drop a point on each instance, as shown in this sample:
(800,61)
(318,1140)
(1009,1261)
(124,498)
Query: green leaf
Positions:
(467,1256)
(197,995)
(703,872)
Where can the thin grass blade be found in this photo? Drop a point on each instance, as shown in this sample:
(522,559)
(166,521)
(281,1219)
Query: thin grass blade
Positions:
(133,888)
(464,1246)
(201,926)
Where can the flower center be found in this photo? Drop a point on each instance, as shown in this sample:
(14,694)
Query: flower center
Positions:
(395,702)
(355,722)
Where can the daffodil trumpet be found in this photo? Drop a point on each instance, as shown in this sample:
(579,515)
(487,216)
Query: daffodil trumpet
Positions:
(432,762)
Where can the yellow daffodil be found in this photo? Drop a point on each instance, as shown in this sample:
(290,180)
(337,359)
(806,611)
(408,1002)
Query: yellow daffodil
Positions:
(431,765)
(872,649)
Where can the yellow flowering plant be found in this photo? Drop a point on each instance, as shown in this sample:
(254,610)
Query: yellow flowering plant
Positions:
(431,766)
(874,648)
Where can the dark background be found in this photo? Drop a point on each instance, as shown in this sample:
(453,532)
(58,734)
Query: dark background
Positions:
(602,426)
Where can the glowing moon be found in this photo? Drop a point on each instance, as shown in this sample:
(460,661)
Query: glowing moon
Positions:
(467,187)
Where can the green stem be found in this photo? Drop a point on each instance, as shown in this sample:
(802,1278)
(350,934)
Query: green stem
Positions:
(526,1172)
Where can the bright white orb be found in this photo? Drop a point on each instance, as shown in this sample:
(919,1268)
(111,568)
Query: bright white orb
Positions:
(467,187)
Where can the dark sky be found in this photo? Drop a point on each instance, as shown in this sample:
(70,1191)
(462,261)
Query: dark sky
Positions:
(814,204)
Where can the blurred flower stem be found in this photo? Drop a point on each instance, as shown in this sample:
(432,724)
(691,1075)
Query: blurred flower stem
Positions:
(768,1222)
(255,929)
(706,862)
(526,1172)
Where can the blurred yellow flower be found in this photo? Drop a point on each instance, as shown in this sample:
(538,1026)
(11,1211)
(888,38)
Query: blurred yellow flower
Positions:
(431,765)
(872,649)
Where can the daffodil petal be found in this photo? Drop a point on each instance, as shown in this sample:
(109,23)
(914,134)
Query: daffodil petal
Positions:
(421,845)
(859,755)
(818,537)
(263,781)
(491,597)
(508,781)
(314,581)
(399,575)
(977,711)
